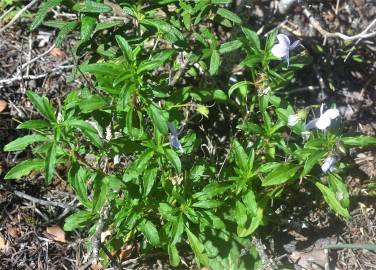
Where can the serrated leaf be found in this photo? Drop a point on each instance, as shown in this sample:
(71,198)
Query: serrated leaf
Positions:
(63,33)
(23,142)
(24,168)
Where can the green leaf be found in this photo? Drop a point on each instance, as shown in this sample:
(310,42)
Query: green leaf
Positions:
(125,48)
(78,177)
(225,13)
(311,161)
(214,62)
(177,229)
(174,159)
(237,86)
(149,179)
(91,7)
(88,130)
(63,33)
(104,69)
(330,198)
(280,175)
(33,124)
(240,213)
(173,256)
(230,46)
(150,232)
(110,24)
(101,187)
(249,200)
(92,103)
(42,12)
(255,223)
(250,127)
(252,37)
(241,157)
(361,140)
(78,220)
(23,142)
(167,212)
(42,105)
(24,168)
(208,204)
(88,23)
(197,247)
(148,65)
(159,121)
(339,188)
(50,162)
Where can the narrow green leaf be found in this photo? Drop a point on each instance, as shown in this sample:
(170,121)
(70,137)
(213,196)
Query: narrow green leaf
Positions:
(159,121)
(241,157)
(50,162)
(214,62)
(42,12)
(177,229)
(24,168)
(63,33)
(280,175)
(88,23)
(197,247)
(88,130)
(33,124)
(249,200)
(101,187)
(149,179)
(42,105)
(78,220)
(174,159)
(125,48)
(173,255)
(311,161)
(91,7)
(240,213)
(23,142)
(237,85)
(208,204)
(148,65)
(337,185)
(330,198)
(150,232)
(360,140)
(227,14)
(92,103)
(230,46)
(252,37)
(78,177)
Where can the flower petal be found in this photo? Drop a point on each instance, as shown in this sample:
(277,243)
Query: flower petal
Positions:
(328,164)
(283,40)
(280,50)
(323,122)
(332,113)
(311,124)
(295,44)
(172,128)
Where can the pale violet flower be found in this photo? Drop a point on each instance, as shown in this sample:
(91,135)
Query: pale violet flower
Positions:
(174,139)
(328,164)
(325,119)
(282,49)
(292,120)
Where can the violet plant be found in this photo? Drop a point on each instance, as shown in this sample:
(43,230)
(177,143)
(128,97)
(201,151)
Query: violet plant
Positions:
(158,184)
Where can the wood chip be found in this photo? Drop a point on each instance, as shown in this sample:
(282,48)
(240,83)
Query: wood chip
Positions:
(3,105)
(56,233)
(4,245)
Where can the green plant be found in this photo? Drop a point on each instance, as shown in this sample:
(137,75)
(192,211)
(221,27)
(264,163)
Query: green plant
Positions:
(170,193)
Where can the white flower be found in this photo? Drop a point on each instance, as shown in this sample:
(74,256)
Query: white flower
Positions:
(292,120)
(328,164)
(325,119)
(282,49)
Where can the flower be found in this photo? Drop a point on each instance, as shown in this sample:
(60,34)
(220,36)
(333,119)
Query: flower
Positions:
(325,119)
(282,49)
(174,140)
(328,164)
(292,120)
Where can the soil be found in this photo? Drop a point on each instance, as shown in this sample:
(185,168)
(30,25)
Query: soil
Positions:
(341,72)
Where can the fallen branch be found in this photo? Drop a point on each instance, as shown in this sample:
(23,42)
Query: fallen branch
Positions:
(35,77)
(362,35)
(19,13)
(40,201)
